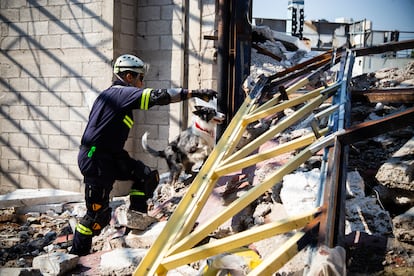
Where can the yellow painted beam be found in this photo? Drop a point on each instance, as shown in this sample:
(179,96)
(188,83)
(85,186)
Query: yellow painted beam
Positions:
(279,127)
(238,240)
(265,155)
(233,208)
(254,116)
(279,258)
(291,89)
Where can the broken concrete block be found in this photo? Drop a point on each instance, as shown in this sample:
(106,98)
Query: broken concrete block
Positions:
(354,185)
(7,214)
(404,226)
(56,263)
(9,242)
(42,208)
(299,192)
(136,239)
(14,271)
(133,219)
(29,197)
(365,215)
(121,261)
(398,171)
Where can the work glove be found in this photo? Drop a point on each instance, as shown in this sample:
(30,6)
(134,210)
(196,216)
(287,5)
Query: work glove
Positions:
(204,94)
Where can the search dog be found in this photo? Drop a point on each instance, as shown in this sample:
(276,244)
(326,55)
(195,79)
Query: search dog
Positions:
(189,150)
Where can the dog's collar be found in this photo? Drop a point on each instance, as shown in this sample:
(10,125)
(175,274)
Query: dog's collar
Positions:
(209,132)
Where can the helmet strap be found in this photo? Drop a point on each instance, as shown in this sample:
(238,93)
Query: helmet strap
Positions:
(121,79)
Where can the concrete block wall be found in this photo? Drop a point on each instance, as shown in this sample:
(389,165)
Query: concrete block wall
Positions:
(56,57)
(169,38)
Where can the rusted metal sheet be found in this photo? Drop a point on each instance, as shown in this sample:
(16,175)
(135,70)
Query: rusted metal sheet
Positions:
(376,127)
(388,95)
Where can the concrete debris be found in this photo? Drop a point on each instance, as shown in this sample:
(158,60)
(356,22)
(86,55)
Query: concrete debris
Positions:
(289,49)
(121,261)
(385,78)
(14,271)
(393,199)
(299,192)
(56,263)
(363,213)
(41,208)
(30,197)
(355,187)
(398,171)
(144,239)
(404,226)
(264,33)
(139,221)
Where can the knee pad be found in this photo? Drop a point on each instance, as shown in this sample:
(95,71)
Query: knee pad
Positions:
(93,225)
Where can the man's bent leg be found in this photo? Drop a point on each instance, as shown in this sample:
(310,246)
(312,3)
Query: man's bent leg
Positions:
(145,183)
(97,217)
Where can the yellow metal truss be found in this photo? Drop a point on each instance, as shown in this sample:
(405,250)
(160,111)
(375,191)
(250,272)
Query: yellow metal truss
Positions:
(175,246)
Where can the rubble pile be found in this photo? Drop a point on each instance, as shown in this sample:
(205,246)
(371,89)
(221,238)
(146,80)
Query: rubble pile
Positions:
(379,214)
(385,78)
(25,236)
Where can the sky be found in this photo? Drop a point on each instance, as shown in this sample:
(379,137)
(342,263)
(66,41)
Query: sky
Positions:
(386,15)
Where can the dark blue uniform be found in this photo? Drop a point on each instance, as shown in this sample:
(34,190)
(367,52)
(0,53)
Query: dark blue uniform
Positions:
(102,158)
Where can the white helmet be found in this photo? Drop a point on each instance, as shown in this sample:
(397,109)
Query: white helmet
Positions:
(130,63)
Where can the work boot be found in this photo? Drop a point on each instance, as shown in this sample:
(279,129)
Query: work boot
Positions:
(81,244)
(138,203)
(138,220)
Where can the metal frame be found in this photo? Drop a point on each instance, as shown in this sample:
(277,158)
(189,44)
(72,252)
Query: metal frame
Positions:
(174,246)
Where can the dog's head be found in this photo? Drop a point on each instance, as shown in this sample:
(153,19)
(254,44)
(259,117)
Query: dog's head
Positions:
(209,114)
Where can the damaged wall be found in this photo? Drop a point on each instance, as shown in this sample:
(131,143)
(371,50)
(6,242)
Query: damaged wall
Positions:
(57,57)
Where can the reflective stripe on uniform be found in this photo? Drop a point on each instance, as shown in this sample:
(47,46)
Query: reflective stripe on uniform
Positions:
(136,193)
(128,121)
(145,98)
(83,230)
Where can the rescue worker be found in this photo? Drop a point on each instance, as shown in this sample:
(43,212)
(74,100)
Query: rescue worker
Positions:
(102,158)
